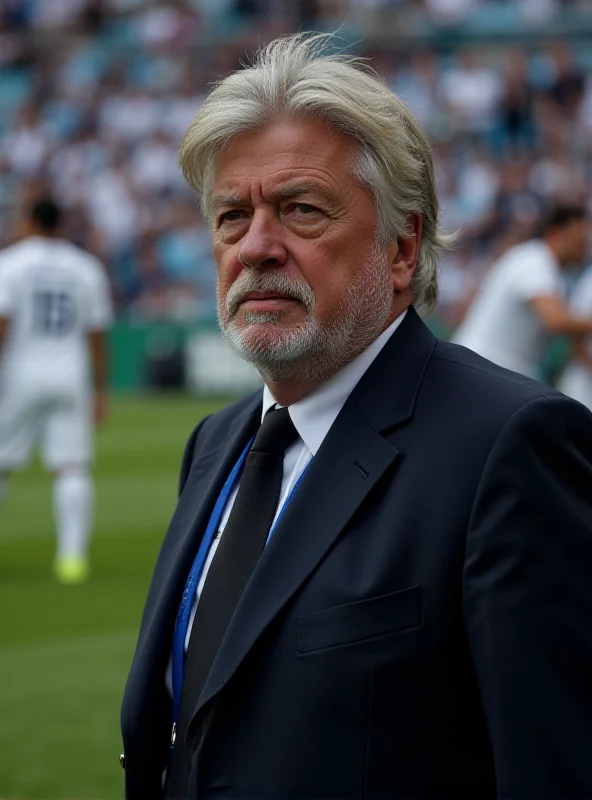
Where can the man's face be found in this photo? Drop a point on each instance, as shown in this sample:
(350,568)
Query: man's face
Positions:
(576,240)
(299,268)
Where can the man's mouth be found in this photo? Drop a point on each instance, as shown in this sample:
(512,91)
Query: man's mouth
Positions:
(266,301)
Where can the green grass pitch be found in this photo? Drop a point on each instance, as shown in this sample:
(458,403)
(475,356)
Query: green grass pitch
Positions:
(65,651)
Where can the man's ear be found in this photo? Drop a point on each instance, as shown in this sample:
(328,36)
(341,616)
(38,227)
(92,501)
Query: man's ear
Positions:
(403,253)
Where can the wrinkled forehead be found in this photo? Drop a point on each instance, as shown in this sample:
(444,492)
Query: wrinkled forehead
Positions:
(284,153)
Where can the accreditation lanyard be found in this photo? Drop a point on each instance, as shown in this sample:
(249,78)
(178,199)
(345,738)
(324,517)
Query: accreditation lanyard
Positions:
(186,605)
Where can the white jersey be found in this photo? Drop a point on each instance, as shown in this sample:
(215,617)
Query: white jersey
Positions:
(500,324)
(53,294)
(576,380)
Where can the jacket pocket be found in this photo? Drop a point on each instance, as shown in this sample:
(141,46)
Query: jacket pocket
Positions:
(356,622)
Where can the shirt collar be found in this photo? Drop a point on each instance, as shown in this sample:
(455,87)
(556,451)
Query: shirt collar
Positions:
(314,414)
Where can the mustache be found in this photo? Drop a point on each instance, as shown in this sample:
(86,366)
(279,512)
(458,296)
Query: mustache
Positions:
(268,282)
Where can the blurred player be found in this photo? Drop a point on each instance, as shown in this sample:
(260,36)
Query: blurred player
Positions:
(576,380)
(520,303)
(54,310)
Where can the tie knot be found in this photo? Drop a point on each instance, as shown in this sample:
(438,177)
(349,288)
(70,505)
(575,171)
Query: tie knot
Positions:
(276,434)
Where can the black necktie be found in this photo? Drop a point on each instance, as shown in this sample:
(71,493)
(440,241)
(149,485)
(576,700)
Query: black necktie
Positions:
(240,547)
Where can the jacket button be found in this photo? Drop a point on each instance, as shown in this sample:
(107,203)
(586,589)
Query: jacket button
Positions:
(122,760)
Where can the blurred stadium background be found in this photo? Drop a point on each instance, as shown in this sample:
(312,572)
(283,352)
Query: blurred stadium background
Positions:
(94,98)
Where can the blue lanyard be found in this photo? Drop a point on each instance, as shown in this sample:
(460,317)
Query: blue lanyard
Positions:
(184,613)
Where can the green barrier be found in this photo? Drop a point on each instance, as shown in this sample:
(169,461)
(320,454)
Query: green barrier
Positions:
(131,346)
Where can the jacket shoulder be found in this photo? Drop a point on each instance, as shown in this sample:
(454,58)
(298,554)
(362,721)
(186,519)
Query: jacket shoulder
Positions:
(475,398)
(473,373)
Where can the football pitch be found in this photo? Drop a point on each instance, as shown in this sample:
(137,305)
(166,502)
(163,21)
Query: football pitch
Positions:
(65,651)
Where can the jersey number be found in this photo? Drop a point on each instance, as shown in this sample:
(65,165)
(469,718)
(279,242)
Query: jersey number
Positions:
(54,313)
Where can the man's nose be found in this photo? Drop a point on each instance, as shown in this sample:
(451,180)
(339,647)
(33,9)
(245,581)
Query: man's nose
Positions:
(263,246)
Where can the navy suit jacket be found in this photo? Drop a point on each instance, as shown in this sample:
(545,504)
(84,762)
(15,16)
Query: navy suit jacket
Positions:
(420,624)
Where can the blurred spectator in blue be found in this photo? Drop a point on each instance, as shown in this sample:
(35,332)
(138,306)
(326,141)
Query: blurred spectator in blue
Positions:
(516,118)
(567,81)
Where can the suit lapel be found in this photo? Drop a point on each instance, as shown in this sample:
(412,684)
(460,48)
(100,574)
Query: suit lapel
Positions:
(352,459)
(204,483)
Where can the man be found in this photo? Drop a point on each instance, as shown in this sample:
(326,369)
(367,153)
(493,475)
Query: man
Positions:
(520,304)
(576,380)
(54,310)
(376,583)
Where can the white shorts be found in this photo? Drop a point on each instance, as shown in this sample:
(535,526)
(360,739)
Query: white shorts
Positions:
(58,422)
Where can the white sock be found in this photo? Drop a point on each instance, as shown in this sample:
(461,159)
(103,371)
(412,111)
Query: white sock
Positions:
(73,493)
(3,487)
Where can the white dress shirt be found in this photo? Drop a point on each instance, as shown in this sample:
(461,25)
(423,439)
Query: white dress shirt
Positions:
(312,416)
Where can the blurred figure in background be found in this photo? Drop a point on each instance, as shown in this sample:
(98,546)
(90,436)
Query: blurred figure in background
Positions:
(55,307)
(576,381)
(520,303)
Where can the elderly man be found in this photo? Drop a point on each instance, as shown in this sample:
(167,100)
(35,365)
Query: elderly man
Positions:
(376,583)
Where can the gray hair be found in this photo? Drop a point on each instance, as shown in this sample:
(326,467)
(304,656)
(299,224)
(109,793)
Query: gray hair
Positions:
(302,75)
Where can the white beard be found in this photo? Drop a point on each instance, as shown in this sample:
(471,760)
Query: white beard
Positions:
(310,351)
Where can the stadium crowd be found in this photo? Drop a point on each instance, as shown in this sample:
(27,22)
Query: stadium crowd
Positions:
(96,94)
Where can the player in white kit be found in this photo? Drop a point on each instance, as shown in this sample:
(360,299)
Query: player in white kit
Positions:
(576,380)
(55,307)
(521,304)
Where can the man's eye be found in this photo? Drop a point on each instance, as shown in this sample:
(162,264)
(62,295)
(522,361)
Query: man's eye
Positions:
(231,216)
(305,208)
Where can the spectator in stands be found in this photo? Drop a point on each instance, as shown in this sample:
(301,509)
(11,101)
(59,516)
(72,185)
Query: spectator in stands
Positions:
(472,94)
(516,124)
(27,146)
(568,81)
(450,12)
